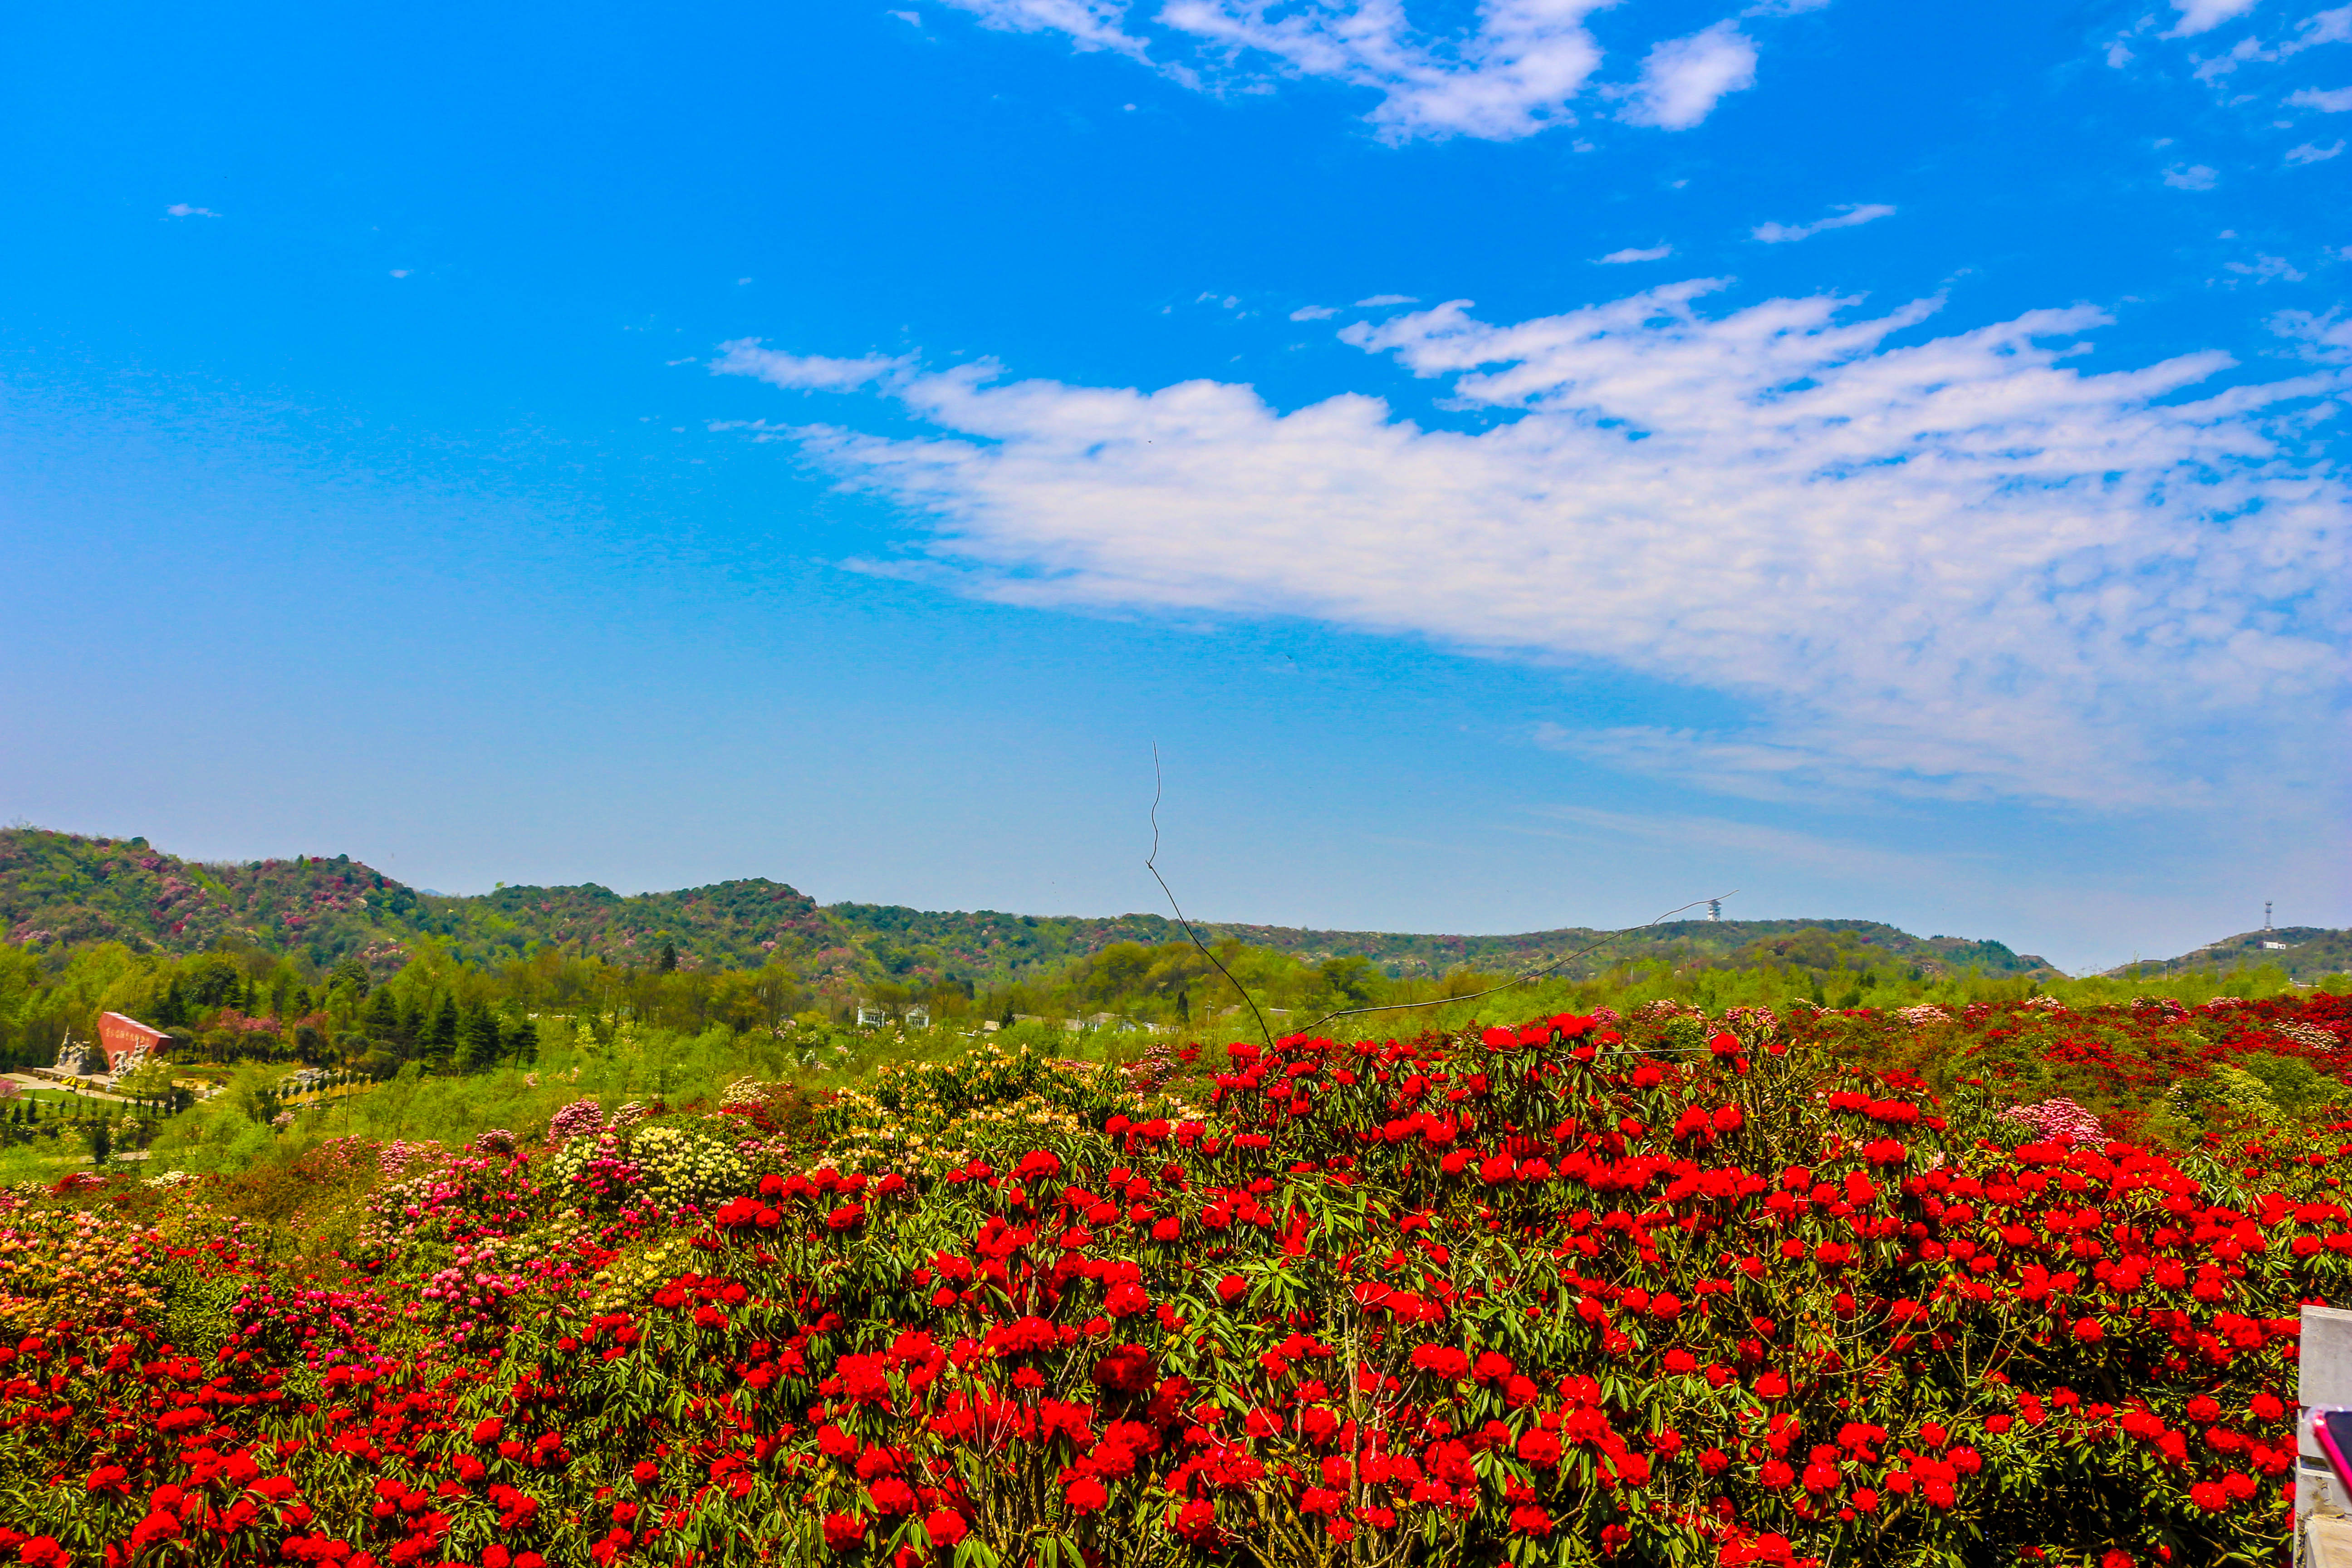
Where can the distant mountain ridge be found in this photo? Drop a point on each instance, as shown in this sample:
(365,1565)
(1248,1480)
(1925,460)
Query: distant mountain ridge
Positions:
(2304,952)
(59,886)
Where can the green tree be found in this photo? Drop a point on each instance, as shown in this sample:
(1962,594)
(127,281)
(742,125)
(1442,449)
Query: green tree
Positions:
(381,1020)
(102,1141)
(440,1037)
(477,1038)
(667,963)
(522,1042)
(1352,980)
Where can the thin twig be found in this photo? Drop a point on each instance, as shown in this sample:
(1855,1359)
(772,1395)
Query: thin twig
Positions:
(1518,980)
(1154,869)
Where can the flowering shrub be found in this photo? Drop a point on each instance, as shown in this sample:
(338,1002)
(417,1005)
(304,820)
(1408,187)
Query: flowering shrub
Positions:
(2052,1119)
(1575,1290)
(689,1167)
(572,1121)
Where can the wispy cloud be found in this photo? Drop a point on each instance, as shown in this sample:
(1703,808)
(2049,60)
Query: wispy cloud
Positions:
(2204,16)
(1844,218)
(1313,313)
(2190,177)
(1378,300)
(1684,78)
(1618,257)
(803,372)
(2263,268)
(2335,101)
(181,209)
(1514,70)
(1964,566)
(2312,152)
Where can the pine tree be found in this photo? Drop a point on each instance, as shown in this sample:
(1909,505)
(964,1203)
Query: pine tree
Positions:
(478,1039)
(522,1042)
(668,964)
(381,1019)
(440,1041)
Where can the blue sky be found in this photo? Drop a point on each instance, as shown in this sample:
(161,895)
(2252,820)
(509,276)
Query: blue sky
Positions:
(1523,465)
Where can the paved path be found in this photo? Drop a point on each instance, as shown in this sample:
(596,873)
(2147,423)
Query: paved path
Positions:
(83,1091)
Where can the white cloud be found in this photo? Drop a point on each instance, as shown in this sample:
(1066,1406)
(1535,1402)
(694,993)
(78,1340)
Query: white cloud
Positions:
(2325,338)
(803,372)
(1313,313)
(2321,27)
(1377,300)
(2335,101)
(2189,177)
(1967,565)
(2312,152)
(181,209)
(2118,55)
(1684,78)
(2204,16)
(1089,24)
(2262,268)
(1617,258)
(1845,218)
(912,18)
(1513,70)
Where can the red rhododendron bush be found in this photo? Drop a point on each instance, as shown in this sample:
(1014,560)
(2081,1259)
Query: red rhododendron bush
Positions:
(1604,1290)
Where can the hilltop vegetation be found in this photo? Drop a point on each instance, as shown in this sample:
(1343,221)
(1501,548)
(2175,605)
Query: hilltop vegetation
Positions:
(62,890)
(2303,953)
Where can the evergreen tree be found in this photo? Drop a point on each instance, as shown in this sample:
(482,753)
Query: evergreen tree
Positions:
(440,1041)
(668,964)
(101,1143)
(522,1042)
(172,1009)
(477,1038)
(381,1019)
(352,975)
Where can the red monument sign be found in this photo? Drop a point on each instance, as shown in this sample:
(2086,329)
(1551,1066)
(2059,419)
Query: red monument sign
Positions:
(125,1041)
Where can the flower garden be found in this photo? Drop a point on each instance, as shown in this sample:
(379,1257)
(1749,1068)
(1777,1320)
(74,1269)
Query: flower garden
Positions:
(1653,1290)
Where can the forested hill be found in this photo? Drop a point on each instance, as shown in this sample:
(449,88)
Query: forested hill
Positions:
(63,888)
(991,946)
(2304,952)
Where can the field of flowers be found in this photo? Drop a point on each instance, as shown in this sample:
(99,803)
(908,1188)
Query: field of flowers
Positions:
(1656,1290)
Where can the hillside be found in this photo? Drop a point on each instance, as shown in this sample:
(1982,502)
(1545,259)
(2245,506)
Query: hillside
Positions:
(58,887)
(2304,952)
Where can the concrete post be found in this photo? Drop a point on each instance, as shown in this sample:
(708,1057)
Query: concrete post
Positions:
(2324,1377)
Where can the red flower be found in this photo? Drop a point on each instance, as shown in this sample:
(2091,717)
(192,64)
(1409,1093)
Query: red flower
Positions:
(1232,1289)
(1539,1448)
(488,1431)
(42,1551)
(844,1532)
(944,1528)
(1086,1494)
